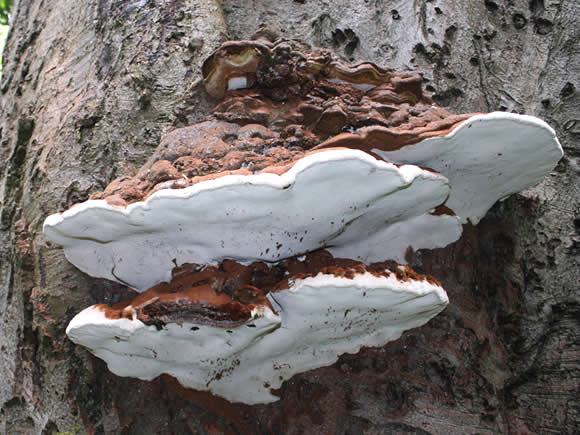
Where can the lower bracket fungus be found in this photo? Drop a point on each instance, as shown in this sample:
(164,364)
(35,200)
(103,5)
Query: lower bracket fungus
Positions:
(241,331)
(229,230)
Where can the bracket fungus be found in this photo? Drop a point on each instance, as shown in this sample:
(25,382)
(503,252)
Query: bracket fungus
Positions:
(264,241)
(240,331)
(486,157)
(330,199)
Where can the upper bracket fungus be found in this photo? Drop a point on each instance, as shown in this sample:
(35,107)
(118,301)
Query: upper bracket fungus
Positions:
(223,229)
(331,199)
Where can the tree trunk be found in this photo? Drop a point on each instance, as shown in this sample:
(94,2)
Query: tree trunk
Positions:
(88,89)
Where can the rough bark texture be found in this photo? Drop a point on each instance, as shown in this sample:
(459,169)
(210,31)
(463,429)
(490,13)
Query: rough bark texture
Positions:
(89,87)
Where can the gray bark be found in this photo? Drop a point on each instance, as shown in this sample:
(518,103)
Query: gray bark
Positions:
(88,89)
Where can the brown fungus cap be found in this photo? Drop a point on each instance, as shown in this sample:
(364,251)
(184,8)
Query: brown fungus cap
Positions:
(298,99)
(286,63)
(233,59)
(361,73)
(207,151)
(376,137)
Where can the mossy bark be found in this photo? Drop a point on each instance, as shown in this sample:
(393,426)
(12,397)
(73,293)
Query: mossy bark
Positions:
(88,89)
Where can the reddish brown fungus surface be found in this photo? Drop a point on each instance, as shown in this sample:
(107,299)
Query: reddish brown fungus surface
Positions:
(297,99)
(442,210)
(225,295)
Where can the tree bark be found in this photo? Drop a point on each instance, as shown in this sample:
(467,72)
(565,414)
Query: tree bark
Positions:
(88,89)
